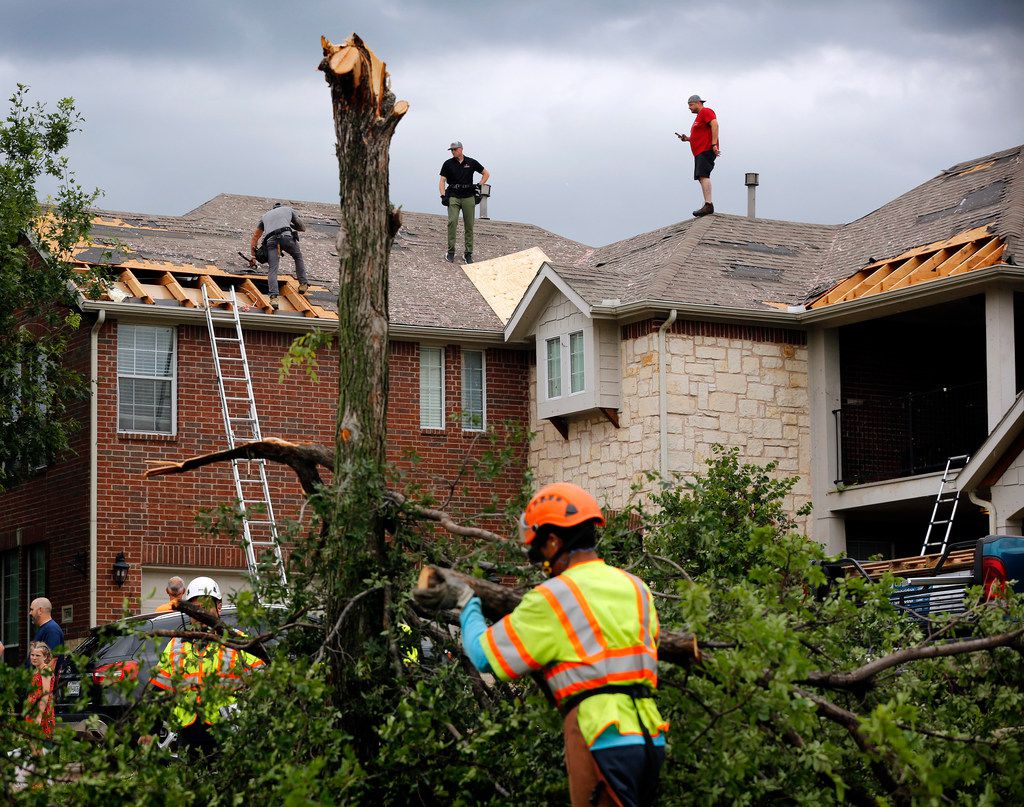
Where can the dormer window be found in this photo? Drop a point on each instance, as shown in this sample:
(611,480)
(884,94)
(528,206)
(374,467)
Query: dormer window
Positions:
(577,376)
(554,367)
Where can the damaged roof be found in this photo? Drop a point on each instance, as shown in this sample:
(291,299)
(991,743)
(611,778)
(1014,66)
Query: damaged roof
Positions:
(984,191)
(426,290)
(725,261)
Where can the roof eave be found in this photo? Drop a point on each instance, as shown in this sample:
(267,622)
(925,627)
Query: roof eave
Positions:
(426,333)
(516,329)
(917,296)
(710,313)
(996,444)
(181,314)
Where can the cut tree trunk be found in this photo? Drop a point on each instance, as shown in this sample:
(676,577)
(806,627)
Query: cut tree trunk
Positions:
(365,116)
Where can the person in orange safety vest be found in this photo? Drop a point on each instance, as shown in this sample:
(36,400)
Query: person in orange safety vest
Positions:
(592,631)
(203,674)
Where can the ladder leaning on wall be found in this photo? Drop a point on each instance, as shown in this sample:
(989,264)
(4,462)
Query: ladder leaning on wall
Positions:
(944,510)
(242,425)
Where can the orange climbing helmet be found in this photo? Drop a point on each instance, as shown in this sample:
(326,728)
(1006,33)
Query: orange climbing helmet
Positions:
(559,505)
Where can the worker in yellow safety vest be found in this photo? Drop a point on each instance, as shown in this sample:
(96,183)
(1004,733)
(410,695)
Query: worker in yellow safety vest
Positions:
(203,674)
(592,631)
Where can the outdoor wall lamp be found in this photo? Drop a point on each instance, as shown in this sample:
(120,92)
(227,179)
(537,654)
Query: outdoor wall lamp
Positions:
(120,569)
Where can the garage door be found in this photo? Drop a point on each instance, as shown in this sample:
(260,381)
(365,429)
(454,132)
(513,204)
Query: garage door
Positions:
(154,581)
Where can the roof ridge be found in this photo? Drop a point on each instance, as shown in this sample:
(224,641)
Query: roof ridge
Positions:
(680,252)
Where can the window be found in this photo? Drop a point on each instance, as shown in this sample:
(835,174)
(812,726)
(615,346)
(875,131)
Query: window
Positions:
(145,379)
(36,571)
(554,367)
(576,380)
(9,593)
(474,391)
(431,388)
(36,562)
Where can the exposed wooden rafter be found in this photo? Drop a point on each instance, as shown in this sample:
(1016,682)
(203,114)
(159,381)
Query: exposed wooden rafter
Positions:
(134,286)
(177,292)
(974,249)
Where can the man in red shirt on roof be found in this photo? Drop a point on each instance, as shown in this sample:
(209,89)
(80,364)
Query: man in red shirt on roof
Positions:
(704,145)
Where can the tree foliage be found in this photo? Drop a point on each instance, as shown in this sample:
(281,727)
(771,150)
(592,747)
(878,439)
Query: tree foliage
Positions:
(37,316)
(758,721)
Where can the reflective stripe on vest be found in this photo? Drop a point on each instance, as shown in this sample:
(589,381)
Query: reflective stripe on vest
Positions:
(509,650)
(598,665)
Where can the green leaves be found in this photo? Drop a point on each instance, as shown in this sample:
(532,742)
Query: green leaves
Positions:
(37,319)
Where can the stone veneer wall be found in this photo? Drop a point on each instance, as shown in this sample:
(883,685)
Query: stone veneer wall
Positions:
(740,386)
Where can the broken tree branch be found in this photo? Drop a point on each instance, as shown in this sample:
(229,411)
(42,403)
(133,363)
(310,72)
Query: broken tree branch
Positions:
(863,675)
(303,458)
(306,459)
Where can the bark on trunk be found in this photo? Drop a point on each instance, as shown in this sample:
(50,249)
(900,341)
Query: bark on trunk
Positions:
(365,116)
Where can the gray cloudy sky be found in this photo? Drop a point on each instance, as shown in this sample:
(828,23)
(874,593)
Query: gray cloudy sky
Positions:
(571,105)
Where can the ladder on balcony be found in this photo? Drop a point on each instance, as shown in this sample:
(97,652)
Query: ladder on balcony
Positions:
(944,510)
(242,425)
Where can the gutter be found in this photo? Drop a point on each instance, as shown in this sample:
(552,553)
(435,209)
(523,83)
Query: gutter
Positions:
(276,322)
(799,317)
(94,385)
(663,391)
(708,313)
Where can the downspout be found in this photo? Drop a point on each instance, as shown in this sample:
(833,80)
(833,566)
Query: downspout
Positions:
(94,386)
(663,391)
(985,504)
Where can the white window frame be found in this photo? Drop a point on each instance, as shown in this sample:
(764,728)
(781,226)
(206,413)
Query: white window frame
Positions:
(469,425)
(173,379)
(548,378)
(423,413)
(583,362)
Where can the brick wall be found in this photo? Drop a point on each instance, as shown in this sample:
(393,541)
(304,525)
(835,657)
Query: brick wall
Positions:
(433,457)
(153,522)
(51,510)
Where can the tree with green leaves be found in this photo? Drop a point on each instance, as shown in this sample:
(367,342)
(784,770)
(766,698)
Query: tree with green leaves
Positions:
(38,315)
(796,692)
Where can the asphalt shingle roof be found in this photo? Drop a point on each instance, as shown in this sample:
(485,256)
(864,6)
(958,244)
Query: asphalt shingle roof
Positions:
(425,289)
(719,260)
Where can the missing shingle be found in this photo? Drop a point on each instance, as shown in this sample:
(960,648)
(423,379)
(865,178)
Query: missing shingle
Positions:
(753,246)
(747,272)
(983,197)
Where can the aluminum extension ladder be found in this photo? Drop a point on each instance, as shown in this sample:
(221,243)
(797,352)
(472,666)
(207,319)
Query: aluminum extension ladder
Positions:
(242,425)
(946,503)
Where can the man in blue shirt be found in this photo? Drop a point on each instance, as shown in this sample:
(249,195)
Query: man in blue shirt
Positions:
(47,629)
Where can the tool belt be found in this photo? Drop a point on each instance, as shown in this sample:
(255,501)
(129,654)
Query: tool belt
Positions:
(280,232)
(633,690)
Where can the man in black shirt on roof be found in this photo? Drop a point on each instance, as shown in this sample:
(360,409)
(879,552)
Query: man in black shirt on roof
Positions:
(460,194)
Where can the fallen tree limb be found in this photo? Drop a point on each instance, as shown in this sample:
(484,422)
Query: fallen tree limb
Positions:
(306,459)
(863,675)
(303,458)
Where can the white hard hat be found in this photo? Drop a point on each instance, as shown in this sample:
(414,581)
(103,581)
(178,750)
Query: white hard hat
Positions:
(203,586)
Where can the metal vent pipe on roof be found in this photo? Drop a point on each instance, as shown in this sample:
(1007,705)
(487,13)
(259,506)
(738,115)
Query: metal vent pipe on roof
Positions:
(751,182)
(485,192)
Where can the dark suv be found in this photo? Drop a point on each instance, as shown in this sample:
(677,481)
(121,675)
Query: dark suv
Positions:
(112,655)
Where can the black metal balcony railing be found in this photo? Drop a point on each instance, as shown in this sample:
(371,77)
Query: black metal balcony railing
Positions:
(886,437)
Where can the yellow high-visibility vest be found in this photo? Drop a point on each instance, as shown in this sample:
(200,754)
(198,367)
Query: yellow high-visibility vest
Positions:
(204,674)
(593,625)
